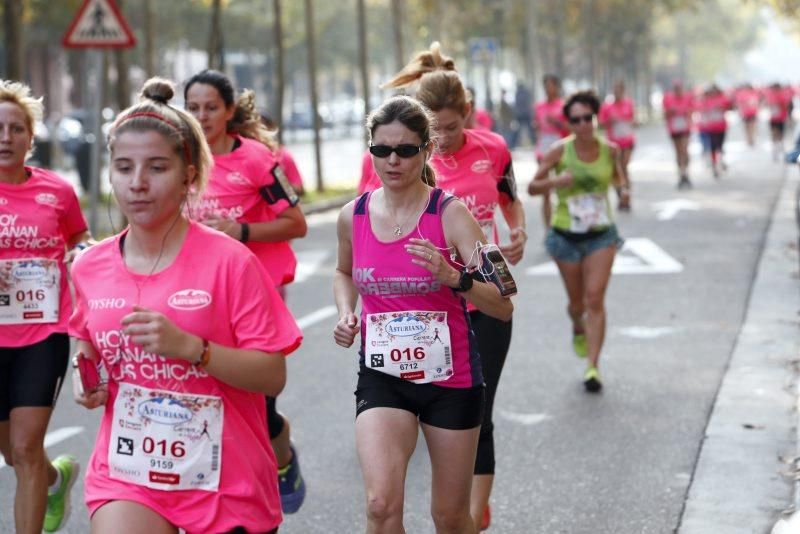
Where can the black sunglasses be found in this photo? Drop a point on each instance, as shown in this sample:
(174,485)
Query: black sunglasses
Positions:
(579,118)
(404,151)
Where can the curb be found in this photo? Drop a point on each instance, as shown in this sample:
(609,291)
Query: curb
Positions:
(740,482)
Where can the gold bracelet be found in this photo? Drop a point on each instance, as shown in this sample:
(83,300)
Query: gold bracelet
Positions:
(205,357)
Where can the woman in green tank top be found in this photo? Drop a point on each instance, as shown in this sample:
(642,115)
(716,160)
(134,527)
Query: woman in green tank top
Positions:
(583,238)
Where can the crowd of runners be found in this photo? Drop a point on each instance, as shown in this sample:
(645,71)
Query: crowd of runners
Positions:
(180,324)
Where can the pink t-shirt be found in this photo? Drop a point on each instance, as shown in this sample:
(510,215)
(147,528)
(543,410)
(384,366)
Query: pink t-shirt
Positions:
(37,220)
(712,113)
(211,295)
(778,102)
(370,181)
(551,125)
(483,120)
(234,192)
(289,167)
(388,283)
(678,111)
(617,119)
(747,102)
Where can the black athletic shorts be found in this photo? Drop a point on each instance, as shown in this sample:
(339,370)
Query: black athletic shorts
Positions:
(778,126)
(677,136)
(31,376)
(442,407)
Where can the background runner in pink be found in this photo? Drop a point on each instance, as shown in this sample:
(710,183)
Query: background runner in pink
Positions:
(678,107)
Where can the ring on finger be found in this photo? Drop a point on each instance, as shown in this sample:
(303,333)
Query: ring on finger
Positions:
(430,256)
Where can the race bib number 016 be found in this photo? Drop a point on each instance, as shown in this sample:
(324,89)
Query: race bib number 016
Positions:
(29,291)
(166,440)
(412,345)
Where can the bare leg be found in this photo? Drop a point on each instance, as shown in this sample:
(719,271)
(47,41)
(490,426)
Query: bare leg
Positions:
(125,517)
(596,274)
(572,276)
(479,497)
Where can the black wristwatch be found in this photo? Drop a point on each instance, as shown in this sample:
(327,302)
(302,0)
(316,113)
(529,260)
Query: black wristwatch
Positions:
(464,281)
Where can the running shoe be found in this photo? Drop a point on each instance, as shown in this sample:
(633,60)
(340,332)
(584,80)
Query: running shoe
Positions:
(291,485)
(591,379)
(487,518)
(58,503)
(684,183)
(579,344)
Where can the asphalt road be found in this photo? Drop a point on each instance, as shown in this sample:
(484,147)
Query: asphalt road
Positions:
(567,462)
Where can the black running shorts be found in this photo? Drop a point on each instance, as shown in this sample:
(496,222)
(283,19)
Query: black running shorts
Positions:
(31,376)
(442,407)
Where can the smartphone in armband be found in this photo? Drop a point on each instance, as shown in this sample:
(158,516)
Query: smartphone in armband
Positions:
(495,270)
(87,373)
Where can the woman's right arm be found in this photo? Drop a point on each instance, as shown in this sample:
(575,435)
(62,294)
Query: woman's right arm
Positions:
(542,182)
(344,289)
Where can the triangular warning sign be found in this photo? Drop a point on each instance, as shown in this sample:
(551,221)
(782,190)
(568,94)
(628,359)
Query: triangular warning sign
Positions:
(99,24)
(639,255)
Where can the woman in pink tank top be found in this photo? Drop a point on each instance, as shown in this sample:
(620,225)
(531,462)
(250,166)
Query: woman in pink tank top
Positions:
(401,249)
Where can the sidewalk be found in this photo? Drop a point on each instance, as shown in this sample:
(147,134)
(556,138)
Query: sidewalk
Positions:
(746,465)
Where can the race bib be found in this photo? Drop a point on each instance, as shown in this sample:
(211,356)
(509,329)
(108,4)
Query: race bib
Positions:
(622,130)
(412,345)
(546,141)
(487,227)
(715,115)
(587,212)
(679,124)
(30,291)
(166,440)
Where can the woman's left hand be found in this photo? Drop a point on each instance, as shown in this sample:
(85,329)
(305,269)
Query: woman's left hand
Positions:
(513,251)
(156,334)
(428,256)
(226,226)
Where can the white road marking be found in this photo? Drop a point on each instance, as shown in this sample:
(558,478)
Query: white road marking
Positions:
(309,262)
(55,437)
(639,256)
(646,332)
(527,419)
(315,317)
(668,209)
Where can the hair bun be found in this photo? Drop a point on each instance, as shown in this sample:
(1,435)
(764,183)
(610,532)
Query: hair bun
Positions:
(158,89)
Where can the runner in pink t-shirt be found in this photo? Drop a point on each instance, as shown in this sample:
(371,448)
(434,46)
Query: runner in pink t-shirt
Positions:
(476,167)
(250,198)
(370,181)
(285,158)
(779,100)
(712,107)
(678,108)
(400,249)
(188,347)
(617,116)
(551,125)
(747,99)
(40,220)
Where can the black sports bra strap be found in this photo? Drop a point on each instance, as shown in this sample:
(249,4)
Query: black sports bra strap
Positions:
(361,205)
(433,205)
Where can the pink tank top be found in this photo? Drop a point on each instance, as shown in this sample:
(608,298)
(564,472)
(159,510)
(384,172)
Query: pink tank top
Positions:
(388,282)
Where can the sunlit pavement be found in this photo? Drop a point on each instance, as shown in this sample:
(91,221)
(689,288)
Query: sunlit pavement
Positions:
(620,462)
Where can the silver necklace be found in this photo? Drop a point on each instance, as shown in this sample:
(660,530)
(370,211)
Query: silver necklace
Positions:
(398,227)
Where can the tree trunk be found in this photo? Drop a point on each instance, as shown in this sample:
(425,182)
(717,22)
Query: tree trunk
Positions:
(362,59)
(280,73)
(397,26)
(312,86)
(531,48)
(559,43)
(13,36)
(215,50)
(122,66)
(149,32)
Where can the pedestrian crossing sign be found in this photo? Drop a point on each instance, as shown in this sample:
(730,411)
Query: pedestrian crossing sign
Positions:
(99,24)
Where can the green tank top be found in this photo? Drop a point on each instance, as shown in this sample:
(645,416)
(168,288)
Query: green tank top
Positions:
(584,206)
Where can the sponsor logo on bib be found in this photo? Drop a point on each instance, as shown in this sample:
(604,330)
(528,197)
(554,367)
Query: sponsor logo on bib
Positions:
(189,299)
(29,272)
(481,166)
(46,198)
(405,326)
(165,411)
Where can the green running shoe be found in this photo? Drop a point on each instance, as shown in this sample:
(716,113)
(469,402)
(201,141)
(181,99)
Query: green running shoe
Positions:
(579,344)
(591,380)
(58,503)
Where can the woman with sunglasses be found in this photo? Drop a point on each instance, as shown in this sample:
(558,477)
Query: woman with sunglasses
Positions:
(583,239)
(475,166)
(190,348)
(408,249)
(617,117)
(250,199)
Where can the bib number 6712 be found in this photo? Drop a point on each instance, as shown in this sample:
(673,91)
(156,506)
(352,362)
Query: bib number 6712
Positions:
(398,355)
(162,447)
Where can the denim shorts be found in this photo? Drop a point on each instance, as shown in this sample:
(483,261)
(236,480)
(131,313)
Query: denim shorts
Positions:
(572,248)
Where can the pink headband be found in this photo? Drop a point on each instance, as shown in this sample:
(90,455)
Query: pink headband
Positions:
(165,121)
